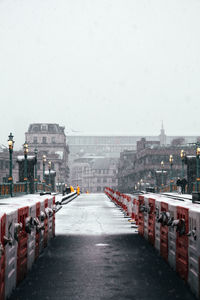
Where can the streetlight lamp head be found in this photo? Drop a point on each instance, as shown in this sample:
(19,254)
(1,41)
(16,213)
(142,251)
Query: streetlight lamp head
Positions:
(198,151)
(25,148)
(182,154)
(10,141)
(44,158)
(171,159)
(162,163)
(49,165)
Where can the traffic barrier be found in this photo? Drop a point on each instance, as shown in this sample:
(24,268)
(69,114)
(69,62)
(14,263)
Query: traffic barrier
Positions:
(182,242)
(146,217)
(172,210)
(173,228)
(151,221)
(22,244)
(37,223)
(140,212)
(26,225)
(129,206)
(194,250)
(10,244)
(164,231)
(2,257)
(158,202)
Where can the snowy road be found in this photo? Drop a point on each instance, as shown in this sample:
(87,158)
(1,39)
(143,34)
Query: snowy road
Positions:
(97,255)
(91,214)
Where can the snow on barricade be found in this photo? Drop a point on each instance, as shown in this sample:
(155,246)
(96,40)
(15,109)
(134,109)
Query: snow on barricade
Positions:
(27,224)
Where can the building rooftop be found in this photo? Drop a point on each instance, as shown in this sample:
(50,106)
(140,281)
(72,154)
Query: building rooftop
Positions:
(45,128)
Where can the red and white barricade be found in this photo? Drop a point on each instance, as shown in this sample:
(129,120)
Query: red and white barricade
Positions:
(182,242)
(151,221)
(194,250)
(2,255)
(146,216)
(140,213)
(172,210)
(129,205)
(164,230)
(11,245)
(22,260)
(51,216)
(158,201)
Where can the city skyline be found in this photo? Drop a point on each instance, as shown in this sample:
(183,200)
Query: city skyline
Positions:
(99,66)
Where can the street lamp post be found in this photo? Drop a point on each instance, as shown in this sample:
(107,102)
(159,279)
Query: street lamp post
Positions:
(182,158)
(162,167)
(197,171)
(49,166)
(44,159)
(26,167)
(36,152)
(141,184)
(10,145)
(171,171)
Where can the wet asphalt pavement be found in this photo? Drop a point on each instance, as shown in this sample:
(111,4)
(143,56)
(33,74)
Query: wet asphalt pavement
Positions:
(97,255)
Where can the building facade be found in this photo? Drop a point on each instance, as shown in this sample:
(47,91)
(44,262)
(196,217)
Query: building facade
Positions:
(143,166)
(50,140)
(94,173)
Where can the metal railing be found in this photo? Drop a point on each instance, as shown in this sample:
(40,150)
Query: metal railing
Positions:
(21,188)
(17,188)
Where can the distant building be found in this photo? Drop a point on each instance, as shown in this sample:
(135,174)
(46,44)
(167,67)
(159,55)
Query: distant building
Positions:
(113,145)
(94,173)
(144,164)
(50,140)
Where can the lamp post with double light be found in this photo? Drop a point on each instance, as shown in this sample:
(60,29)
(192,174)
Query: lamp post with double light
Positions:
(171,160)
(49,167)
(36,152)
(182,158)
(10,178)
(44,159)
(162,177)
(26,166)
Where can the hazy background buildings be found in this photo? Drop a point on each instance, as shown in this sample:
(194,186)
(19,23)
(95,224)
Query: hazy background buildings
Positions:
(96,161)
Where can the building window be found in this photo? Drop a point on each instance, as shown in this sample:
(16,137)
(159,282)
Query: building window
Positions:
(104,180)
(35,140)
(53,140)
(44,140)
(98,189)
(44,127)
(35,129)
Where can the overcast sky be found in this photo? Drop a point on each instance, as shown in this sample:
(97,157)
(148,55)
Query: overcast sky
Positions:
(100,66)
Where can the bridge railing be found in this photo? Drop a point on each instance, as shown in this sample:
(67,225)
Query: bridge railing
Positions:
(17,188)
(195,187)
(21,188)
(42,187)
